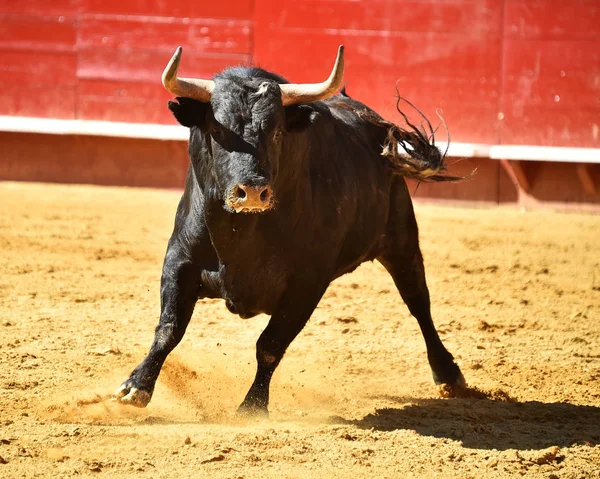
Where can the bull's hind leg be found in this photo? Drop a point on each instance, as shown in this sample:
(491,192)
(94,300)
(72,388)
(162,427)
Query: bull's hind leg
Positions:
(409,276)
(404,262)
(182,283)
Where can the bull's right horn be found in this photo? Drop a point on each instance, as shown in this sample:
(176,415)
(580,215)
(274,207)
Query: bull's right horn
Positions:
(194,88)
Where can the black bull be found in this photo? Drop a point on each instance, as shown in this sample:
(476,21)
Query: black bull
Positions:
(282,197)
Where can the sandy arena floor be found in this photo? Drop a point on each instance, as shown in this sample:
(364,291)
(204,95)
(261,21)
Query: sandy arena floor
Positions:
(516,298)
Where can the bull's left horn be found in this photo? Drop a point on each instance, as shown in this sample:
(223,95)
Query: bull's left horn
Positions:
(293,93)
(194,88)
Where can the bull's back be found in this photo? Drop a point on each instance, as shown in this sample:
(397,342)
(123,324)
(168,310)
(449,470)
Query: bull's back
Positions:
(363,184)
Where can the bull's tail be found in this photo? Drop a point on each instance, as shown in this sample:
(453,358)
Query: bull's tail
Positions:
(412,152)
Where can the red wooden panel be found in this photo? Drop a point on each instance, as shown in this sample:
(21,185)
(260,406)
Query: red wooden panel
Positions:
(122,89)
(147,66)
(456,16)
(40,7)
(48,102)
(446,53)
(170,8)
(37,33)
(123,101)
(553,19)
(41,69)
(306,56)
(424,89)
(537,57)
(577,90)
(131,32)
(212,36)
(551,93)
(128,109)
(543,125)
(218,36)
(470,106)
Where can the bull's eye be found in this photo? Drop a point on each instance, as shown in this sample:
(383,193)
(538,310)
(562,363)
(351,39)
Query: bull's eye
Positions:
(277,135)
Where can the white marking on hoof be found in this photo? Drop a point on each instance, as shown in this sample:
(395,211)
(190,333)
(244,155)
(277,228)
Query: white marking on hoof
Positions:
(120,392)
(136,397)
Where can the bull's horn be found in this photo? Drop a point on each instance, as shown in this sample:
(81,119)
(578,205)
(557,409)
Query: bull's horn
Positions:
(186,87)
(292,94)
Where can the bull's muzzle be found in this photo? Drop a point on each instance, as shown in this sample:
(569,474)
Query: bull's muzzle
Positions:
(250,199)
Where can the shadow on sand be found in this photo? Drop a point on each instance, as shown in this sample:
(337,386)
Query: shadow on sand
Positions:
(489,424)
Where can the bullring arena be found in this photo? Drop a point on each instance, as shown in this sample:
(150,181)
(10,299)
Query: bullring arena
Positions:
(515,297)
(92,167)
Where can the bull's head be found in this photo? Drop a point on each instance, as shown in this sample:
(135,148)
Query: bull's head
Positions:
(239,123)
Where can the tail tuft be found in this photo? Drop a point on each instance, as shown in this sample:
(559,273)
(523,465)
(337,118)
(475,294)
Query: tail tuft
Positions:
(412,152)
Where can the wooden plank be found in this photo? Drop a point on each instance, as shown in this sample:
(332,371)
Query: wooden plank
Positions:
(545,126)
(427,55)
(198,36)
(47,102)
(131,32)
(551,95)
(516,171)
(240,9)
(426,16)
(124,101)
(147,66)
(127,109)
(427,91)
(109,161)
(467,103)
(40,7)
(560,92)
(552,19)
(123,89)
(586,178)
(38,69)
(18,32)
(533,58)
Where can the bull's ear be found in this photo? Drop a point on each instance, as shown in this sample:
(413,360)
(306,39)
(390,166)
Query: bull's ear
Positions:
(299,117)
(188,112)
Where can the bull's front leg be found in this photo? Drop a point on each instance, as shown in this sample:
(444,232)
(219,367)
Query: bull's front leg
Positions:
(180,288)
(288,320)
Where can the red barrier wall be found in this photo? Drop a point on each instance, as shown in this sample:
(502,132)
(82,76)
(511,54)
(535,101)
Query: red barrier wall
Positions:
(102,59)
(503,71)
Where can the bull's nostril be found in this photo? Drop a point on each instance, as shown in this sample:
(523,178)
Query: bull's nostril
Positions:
(265,195)
(239,193)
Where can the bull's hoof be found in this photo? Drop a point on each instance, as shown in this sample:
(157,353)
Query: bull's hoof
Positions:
(248,410)
(458,382)
(447,372)
(455,389)
(129,394)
